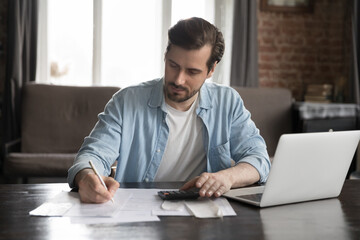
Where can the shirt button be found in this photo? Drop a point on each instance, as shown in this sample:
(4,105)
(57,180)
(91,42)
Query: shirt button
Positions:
(158,150)
(146,179)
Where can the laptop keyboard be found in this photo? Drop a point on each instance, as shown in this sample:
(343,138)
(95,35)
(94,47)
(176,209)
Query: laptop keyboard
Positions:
(252,197)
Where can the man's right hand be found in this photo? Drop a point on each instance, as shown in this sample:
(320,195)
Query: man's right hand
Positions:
(90,188)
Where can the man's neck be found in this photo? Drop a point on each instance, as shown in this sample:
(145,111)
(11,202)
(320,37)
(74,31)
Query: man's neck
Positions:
(182,106)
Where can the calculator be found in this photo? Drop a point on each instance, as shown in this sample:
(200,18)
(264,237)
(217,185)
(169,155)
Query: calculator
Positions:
(179,195)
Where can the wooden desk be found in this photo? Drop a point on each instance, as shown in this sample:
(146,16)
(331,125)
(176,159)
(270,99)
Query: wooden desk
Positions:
(326,219)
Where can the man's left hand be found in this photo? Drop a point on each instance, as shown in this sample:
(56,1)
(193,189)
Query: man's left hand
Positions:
(210,184)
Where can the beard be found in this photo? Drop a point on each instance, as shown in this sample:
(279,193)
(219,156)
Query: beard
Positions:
(177,97)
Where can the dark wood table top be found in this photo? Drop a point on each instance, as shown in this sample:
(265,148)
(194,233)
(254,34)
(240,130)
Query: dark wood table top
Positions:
(337,218)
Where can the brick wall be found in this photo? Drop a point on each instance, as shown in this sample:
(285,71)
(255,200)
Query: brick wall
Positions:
(296,49)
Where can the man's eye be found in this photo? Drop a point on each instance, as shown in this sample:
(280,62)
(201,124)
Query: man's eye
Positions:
(173,65)
(193,72)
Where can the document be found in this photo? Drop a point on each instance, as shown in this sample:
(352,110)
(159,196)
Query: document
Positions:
(68,204)
(130,205)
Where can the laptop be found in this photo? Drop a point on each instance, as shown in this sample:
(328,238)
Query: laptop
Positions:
(306,166)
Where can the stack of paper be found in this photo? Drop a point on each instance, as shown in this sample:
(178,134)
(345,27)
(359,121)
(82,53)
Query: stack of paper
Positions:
(130,205)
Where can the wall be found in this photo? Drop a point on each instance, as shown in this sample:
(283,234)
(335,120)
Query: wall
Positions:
(296,49)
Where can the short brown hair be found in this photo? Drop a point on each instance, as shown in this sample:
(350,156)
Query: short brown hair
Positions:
(194,33)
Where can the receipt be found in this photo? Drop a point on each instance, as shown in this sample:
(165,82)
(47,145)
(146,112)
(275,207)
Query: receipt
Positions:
(204,208)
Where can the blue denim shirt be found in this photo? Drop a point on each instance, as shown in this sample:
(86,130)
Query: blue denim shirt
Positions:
(133,130)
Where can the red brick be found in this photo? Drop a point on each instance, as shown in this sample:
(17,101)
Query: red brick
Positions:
(270,57)
(293,58)
(268,40)
(268,49)
(264,74)
(309,58)
(267,66)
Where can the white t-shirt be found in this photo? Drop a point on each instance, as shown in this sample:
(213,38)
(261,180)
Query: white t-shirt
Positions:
(184,156)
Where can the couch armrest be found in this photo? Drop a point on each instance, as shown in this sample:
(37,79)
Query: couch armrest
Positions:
(12,146)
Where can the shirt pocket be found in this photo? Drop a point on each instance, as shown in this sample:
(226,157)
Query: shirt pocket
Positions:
(220,157)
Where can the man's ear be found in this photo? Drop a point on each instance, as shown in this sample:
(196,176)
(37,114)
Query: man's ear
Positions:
(211,72)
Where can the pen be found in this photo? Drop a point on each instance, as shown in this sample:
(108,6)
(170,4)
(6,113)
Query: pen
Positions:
(97,173)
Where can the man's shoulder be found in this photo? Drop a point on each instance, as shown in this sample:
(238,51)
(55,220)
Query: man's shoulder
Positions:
(140,89)
(219,90)
(217,86)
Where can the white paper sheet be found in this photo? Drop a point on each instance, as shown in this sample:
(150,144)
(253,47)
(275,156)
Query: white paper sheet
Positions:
(51,209)
(68,204)
(107,209)
(221,202)
(137,208)
(131,205)
(204,208)
(123,217)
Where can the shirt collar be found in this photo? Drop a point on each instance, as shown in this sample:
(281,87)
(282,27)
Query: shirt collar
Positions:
(157,94)
(205,97)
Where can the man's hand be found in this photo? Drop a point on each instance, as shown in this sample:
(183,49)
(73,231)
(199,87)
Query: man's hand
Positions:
(90,188)
(210,184)
(216,184)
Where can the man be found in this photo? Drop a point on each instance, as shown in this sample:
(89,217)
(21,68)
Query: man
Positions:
(176,128)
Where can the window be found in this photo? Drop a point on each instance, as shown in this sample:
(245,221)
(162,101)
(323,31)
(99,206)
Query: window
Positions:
(115,42)
(131,42)
(70,40)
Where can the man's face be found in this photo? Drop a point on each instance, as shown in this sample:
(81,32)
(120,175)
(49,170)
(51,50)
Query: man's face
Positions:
(185,73)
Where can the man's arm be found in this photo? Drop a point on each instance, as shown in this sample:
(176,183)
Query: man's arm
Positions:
(90,188)
(247,149)
(101,146)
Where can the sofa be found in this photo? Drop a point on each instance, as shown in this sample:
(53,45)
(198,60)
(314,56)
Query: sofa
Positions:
(55,120)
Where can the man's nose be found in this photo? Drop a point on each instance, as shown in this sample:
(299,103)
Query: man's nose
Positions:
(180,78)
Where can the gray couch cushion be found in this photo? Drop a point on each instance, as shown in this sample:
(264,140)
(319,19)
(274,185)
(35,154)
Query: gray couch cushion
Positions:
(55,119)
(38,164)
(271,110)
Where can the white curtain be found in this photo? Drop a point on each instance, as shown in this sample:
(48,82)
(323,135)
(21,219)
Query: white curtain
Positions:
(224,18)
